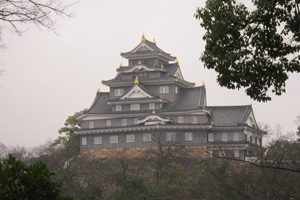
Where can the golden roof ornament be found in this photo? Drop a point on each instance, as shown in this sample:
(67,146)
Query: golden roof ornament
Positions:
(177,76)
(161,96)
(153,66)
(203,84)
(154,41)
(153,112)
(162,66)
(212,123)
(157,123)
(177,61)
(203,107)
(139,62)
(160,50)
(121,65)
(136,80)
(98,90)
(168,117)
(198,107)
(143,38)
(102,81)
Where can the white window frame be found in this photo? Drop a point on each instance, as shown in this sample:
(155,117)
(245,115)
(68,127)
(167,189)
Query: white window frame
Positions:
(176,90)
(194,119)
(119,92)
(83,141)
(108,122)
(164,89)
(188,137)
(135,106)
(113,139)
(118,107)
(124,122)
(224,137)
(171,137)
(236,153)
(130,138)
(151,106)
(91,124)
(180,119)
(236,136)
(147,137)
(210,137)
(98,140)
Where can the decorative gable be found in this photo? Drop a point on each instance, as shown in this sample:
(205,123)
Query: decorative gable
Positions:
(153,119)
(178,73)
(251,120)
(136,92)
(142,47)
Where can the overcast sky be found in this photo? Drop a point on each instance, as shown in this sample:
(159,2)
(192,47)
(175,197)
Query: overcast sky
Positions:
(50,77)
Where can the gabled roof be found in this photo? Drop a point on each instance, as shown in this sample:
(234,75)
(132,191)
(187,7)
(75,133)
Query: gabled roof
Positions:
(141,92)
(230,115)
(153,119)
(145,47)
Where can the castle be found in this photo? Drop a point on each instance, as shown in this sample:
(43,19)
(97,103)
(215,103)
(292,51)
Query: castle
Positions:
(150,97)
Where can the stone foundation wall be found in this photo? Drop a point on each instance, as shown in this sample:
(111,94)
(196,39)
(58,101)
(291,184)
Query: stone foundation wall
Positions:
(143,152)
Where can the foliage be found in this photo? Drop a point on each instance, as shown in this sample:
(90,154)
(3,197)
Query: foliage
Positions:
(18,181)
(252,49)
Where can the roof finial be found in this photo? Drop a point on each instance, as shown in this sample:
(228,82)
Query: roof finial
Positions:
(143,38)
(139,62)
(177,76)
(198,107)
(161,96)
(212,123)
(203,84)
(160,50)
(98,90)
(203,107)
(177,61)
(136,80)
(154,41)
(162,66)
(121,65)
(153,112)
(157,123)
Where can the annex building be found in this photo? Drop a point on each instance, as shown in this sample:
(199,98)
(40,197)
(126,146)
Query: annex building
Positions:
(149,100)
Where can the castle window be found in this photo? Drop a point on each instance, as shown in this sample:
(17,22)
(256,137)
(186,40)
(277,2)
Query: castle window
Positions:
(164,89)
(91,124)
(124,122)
(108,122)
(171,137)
(210,152)
(118,107)
(130,138)
(194,119)
(83,141)
(210,137)
(113,139)
(188,136)
(235,136)
(224,136)
(180,119)
(236,153)
(98,140)
(176,89)
(135,107)
(135,121)
(151,106)
(119,92)
(146,137)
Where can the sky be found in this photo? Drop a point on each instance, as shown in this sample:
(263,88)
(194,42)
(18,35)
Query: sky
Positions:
(49,77)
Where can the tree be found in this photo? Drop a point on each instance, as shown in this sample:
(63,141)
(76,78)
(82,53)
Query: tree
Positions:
(18,181)
(40,13)
(251,49)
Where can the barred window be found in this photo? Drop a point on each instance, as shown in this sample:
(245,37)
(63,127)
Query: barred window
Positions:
(83,141)
(171,137)
(118,107)
(97,140)
(91,124)
(210,137)
(188,136)
(151,106)
(119,92)
(147,137)
(236,153)
(235,136)
(108,122)
(135,107)
(113,139)
(224,136)
(130,138)
(180,119)
(164,89)
(124,122)
(194,119)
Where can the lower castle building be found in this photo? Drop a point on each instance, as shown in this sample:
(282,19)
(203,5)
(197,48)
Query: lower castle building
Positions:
(150,103)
